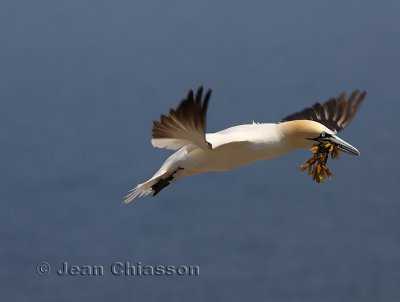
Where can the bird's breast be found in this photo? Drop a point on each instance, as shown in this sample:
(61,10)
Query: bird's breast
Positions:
(233,155)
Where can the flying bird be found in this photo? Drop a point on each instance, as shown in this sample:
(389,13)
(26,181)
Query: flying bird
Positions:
(184,130)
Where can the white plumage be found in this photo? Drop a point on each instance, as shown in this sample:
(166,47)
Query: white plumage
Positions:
(199,152)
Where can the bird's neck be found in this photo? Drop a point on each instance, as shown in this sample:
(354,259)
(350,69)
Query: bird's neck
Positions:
(292,136)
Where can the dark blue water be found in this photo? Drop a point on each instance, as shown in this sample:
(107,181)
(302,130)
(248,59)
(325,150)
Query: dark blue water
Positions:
(81,83)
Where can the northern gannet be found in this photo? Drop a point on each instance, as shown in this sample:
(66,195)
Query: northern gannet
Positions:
(184,130)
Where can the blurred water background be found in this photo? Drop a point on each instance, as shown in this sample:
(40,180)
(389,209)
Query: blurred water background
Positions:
(81,83)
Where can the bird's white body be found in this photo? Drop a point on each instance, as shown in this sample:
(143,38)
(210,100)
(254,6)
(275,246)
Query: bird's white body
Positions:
(232,147)
(199,152)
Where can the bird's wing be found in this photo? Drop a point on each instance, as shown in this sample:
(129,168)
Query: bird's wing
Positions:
(185,125)
(335,114)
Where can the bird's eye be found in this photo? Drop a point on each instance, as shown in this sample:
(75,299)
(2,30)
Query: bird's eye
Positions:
(323,134)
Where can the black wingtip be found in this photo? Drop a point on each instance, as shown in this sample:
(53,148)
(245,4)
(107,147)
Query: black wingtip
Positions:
(199,95)
(363,95)
(190,95)
(207,96)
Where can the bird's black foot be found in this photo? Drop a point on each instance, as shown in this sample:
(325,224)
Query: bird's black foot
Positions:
(162,183)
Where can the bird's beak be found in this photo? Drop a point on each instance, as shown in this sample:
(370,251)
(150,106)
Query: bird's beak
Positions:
(343,146)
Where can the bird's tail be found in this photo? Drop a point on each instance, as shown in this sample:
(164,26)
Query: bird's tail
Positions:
(159,181)
(142,189)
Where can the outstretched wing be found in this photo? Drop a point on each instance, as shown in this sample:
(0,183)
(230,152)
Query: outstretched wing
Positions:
(184,125)
(335,114)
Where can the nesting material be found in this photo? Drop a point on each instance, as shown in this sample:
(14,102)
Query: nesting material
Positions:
(316,165)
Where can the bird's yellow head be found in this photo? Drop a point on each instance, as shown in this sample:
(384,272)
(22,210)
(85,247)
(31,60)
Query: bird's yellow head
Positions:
(305,134)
